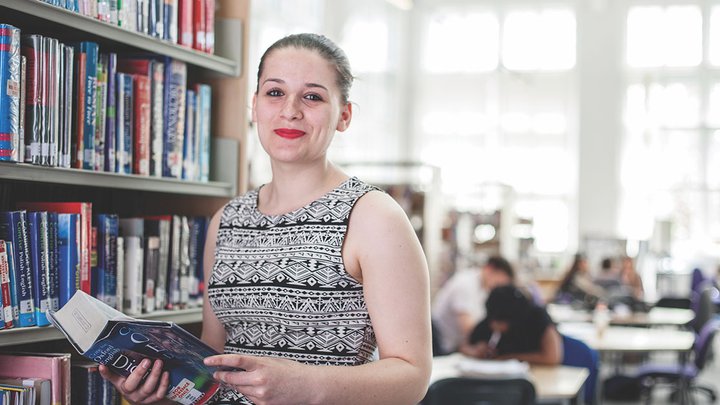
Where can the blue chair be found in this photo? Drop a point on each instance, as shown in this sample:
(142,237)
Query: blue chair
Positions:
(578,354)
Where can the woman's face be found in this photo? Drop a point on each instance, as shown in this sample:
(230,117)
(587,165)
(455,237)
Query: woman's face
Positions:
(298,106)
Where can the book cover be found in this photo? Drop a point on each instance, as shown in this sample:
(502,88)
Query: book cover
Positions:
(14,228)
(77,144)
(204,114)
(174,123)
(84,209)
(141,133)
(90,49)
(68,255)
(111,113)
(53,263)
(9,92)
(109,337)
(34,110)
(107,225)
(124,128)
(185,23)
(190,137)
(38,231)
(52,366)
(199,21)
(101,112)
(6,309)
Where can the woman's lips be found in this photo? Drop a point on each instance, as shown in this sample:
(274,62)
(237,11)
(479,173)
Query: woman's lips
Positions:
(289,133)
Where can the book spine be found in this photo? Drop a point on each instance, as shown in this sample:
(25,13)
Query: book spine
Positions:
(39,250)
(204,113)
(157,117)
(68,255)
(9,92)
(110,121)
(143,9)
(189,138)
(53,263)
(101,108)
(14,228)
(66,112)
(78,139)
(13,283)
(125,149)
(107,259)
(31,49)
(52,53)
(199,21)
(141,117)
(133,275)
(120,287)
(173,278)
(6,317)
(20,151)
(46,130)
(175,86)
(91,62)
(170,20)
(152,252)
(185,23)
(155,21)
(210,26)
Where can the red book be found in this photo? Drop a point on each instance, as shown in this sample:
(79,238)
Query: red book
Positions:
(210,26)
(52,366)
(78,145)
(199,21)
(141,133)
(5,302)
(185,23)
(85,211)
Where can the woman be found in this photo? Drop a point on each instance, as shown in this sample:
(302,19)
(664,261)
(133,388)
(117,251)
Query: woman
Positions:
(577,285)
(301,292)
(515,328)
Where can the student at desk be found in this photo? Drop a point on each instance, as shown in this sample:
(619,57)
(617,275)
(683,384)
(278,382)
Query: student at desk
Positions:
(515,328)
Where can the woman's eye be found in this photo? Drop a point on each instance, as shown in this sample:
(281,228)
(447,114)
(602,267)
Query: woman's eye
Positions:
(313,97)
(274,93)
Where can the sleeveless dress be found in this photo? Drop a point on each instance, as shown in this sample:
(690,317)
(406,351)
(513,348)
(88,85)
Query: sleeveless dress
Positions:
(279,284)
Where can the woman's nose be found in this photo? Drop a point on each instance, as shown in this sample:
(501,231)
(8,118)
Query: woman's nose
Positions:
(292,108)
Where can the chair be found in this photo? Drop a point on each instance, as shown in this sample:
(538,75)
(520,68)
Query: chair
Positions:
(578,354)
(675,373)
(437,349)
(475,391)
(703,305)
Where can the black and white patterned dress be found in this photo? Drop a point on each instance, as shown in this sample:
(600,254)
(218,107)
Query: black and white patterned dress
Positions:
(280,288)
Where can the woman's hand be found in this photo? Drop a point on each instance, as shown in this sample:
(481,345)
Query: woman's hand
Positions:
(152,390)
(266,380)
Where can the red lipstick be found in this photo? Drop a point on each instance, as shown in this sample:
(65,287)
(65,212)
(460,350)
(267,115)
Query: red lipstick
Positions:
(289,133)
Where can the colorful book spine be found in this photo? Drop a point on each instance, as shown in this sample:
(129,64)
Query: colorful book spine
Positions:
(170,20)
(185,23)
(141,13)
(199,21)
(53,270)
(157,117)
(32,46)
(13,283)
(190,137)
(141,117)
(106,260)
(111,113)
(14,228)
(204,93)
(79,94)
(91,51)
(68,255)
(37,221)
(210,26)
(9,92)
(52,96)
(101,109)
(66,112)
(124,128)
(20,151)
(175,86)
(155,19)
(6,309)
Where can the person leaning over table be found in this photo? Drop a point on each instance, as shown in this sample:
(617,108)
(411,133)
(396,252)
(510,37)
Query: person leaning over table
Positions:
(313,271)
(515,328)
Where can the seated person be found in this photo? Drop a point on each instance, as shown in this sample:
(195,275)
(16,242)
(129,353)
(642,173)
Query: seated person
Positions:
(631,279)
(608,277)
(577,285)
(460,304)
(515,328)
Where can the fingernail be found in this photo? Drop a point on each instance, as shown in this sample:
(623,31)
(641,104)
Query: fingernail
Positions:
(145,363)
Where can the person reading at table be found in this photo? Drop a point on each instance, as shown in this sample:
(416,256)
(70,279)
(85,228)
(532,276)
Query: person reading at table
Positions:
(515,328)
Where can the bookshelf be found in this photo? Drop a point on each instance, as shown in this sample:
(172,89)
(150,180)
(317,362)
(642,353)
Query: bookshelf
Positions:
(135,194)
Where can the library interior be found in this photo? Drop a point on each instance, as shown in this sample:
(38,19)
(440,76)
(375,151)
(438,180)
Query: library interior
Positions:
(183,174)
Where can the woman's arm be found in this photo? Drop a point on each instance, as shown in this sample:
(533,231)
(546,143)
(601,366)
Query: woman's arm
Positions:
(550,353)
(382,251)
(213,332)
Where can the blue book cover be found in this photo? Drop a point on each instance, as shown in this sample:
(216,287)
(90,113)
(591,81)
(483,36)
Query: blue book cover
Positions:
(90,49)
(68,255)
(14,228)
(190,137)
(110,111)
(109,337)
(204,93)
(37,229)
(174,120)
(13,283)
(125,126)
(9,92)
(107,233)
(53,273)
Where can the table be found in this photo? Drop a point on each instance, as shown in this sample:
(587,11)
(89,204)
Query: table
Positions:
(622,339)
(556,383)
(658,316)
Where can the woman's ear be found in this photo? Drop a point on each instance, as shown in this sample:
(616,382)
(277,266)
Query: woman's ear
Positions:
(345,118)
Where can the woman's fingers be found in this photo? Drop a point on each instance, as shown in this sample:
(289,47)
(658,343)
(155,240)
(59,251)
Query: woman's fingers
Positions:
(135,378)
(150,385)
(230,360)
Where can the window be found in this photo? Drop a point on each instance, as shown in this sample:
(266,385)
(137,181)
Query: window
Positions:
(539,40)
(461,42)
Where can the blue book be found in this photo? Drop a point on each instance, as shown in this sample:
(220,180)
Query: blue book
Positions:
(14,228)
(13,283)
(204,93)
(121,342)
(107,234)
(110,111)
(90,49)
(124,127)
(9,93)
(53,273)
(68,255)
(190,137)
(37,221)
(174,120)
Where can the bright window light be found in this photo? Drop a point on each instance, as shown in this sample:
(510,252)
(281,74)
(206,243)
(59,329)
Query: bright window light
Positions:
(714,44)
(673,105)
(664,36)
(366,43)
(460,42)
(539,40)
(549,123)
(713,170)
(446,123)
(550,220)
(713,112)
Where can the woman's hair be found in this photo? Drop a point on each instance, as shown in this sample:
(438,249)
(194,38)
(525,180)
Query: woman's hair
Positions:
(574,269)
(322,45)
(507,303)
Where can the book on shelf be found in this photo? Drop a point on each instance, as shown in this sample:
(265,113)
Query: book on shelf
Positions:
(51,366)
(68,255)
(9,92)
(38,231)
(18,390)
(120,342)
(14,228)
(6,304)
(90,387)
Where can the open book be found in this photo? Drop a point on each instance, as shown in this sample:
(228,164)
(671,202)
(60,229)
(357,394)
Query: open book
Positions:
(107,336)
